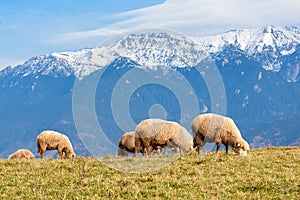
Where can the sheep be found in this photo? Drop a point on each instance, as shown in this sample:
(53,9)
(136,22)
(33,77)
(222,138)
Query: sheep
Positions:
(219,129)
(21,154)
(157,133)
(52,140)
(127,144)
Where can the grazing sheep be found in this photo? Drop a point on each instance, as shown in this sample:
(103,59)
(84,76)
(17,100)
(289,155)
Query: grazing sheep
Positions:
(21,154)
(52,140)
(157,133)
(219,129)
(127,144)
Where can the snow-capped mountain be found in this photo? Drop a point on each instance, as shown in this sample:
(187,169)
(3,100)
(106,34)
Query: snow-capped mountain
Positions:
(259,68)
(266,46)
(269,46)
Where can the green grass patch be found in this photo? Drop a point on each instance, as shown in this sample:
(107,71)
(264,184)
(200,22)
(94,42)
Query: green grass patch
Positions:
(271,173)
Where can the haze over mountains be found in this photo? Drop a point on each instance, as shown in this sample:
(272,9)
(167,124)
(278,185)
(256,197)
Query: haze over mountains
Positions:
(259,69)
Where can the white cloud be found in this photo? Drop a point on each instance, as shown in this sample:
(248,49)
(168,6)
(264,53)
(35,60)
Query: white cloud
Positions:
(84,34)
(6,27)
(199,17)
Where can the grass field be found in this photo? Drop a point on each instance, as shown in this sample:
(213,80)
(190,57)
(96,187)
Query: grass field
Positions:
(271,173)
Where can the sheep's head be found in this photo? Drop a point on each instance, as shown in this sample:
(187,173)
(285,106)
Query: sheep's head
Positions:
(241,148)
(69,153)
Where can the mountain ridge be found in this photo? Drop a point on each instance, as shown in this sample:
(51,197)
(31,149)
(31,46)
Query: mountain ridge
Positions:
(166,49)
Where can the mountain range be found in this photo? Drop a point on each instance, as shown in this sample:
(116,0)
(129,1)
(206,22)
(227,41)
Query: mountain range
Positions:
(251,75)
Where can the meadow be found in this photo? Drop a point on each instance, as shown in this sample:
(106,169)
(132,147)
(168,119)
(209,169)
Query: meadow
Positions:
(269,173)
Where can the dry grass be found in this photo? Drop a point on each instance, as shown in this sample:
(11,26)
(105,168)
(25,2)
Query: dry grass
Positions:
(271,173)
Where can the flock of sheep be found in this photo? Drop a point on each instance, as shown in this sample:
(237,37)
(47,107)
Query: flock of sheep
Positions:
(153,135)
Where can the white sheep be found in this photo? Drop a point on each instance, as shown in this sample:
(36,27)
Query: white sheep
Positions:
(52,140)
(157,133)
(21,154)
(208,128)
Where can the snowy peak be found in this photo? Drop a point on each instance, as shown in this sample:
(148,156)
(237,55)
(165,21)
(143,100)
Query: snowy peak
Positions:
(159,49)
(268,46)
(148,50)
(276,39)
(251,40)
(86,61)
(43,65)
(264,45)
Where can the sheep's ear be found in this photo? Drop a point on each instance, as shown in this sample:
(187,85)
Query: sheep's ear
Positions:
(237,145)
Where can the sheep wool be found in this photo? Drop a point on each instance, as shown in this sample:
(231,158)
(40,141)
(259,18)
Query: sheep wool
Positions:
(208,128)
(126,144)
(157,133)
(21,154)
(52,140)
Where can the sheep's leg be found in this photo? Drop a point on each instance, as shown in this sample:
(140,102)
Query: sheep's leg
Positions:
(145,151)
(42,154)
(137,146)
(120,152)
(166,150)
(176,150)
(60,152)
(226,149)
(42,151)
(159,150)
(147,147)
(150,150)
(218,146)
(136,151)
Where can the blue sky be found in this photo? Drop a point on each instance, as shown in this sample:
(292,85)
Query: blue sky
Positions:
(35,27)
